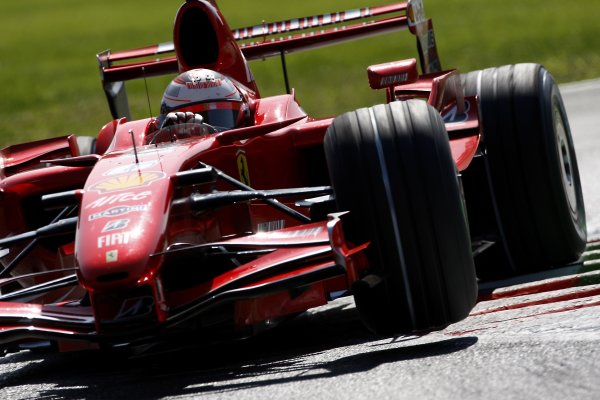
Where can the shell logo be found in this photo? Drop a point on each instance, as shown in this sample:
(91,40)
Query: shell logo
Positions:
(128,181)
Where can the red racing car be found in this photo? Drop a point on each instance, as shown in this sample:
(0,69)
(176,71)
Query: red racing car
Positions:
(230,212)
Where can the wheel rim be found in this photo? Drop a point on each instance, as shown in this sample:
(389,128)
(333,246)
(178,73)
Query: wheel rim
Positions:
(565,161)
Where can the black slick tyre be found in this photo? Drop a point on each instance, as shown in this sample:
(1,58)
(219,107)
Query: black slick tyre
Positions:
(391,167)
(531,170)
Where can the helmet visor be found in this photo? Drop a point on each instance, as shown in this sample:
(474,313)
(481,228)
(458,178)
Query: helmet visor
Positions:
(223,114)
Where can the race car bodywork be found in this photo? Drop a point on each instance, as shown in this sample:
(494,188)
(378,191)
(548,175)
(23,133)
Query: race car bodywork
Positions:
(154,233)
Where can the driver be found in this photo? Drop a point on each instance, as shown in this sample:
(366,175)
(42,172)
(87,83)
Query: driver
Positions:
(203,96)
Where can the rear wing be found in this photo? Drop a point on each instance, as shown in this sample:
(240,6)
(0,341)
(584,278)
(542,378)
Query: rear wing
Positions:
(264,40)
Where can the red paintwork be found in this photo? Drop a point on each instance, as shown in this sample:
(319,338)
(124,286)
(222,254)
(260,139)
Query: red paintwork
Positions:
(134,213)
(230,60)
(463,150)
(393,74)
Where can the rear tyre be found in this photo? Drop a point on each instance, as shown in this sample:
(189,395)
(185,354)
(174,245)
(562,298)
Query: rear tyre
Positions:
(391,167)
(532,170)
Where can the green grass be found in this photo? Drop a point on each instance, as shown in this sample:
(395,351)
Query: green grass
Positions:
(49,76)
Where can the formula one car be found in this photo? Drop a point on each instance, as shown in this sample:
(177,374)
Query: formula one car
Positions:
(230,212)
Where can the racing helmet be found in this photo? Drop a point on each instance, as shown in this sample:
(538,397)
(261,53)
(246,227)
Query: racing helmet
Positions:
(208,93)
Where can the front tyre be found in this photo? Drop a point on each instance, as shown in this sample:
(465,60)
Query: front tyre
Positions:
(391,167)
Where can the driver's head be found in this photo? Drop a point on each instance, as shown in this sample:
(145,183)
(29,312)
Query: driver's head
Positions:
(208,93)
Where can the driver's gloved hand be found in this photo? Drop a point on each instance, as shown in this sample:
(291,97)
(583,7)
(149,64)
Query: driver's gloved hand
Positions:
(179,117)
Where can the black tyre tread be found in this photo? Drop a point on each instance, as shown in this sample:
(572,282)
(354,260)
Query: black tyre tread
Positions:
(424,256)
(516,106)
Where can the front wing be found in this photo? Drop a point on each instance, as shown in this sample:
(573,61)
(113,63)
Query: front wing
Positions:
(300,269)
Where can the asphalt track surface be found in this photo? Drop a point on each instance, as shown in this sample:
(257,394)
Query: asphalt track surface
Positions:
(537,337)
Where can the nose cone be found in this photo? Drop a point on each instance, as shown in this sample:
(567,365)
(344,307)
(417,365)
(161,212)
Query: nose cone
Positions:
(121,223)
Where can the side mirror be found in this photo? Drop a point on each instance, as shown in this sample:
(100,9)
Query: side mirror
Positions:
(392,74)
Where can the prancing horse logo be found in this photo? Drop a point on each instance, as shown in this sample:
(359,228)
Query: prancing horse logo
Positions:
(242,164)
